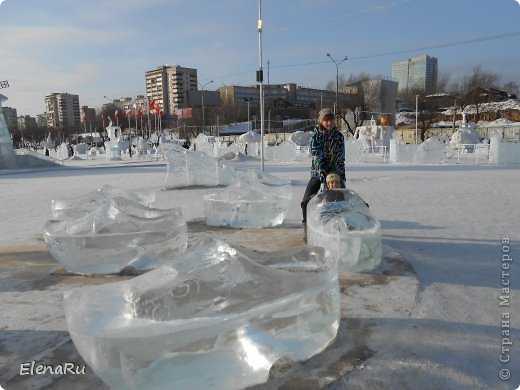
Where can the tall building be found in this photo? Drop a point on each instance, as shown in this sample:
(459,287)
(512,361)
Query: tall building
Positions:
(62,111)
(416,73)
(11,118)
(169,86)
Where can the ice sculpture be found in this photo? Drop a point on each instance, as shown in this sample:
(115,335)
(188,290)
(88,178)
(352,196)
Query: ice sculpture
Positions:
(214,319)
(286,151)
(340,221)
(192,168)
(7,155)
(465,137)
(432,151)
(353,150)
(301,138)
(114,145)
(118,233)
(248,203)
(78,207)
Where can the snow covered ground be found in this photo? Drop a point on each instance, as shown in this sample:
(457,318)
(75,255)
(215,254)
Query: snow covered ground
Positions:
(455,225)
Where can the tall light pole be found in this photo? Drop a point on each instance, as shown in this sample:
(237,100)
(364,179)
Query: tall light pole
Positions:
(260,79)
(416,115)
(337,76)
(202,102)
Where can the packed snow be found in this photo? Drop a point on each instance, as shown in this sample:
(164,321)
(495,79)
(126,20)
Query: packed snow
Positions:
(455,224)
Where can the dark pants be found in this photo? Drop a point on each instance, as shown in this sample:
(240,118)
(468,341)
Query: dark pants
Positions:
(312,189)
(313,186)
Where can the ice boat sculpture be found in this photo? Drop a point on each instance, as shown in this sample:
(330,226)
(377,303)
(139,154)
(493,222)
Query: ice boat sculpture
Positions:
(340,221)
(191,168)
(118,233)
(248,203)
(214,319)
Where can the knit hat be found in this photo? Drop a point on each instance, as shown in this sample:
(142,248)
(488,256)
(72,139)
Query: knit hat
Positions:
(323,113)
(333,177)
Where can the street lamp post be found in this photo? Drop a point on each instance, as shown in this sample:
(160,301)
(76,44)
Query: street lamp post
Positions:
(337,77)
(202,103)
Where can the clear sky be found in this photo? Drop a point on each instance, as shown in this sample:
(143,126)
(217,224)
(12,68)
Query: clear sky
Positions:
(95,48)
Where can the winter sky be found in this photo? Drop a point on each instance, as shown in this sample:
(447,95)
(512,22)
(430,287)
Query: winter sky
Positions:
(97,47)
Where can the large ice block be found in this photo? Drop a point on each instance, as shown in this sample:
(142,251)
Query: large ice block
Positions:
(117,234)
(192,168)
(286,151)
(214,319)
(247,203)
(432,151)
(340,221)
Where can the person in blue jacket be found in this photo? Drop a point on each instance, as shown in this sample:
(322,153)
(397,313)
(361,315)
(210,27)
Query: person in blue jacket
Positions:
(327,148)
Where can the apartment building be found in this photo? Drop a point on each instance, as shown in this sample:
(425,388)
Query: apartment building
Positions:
(11,118)
(416,73)
(169,86)
(26,122)
(62,111)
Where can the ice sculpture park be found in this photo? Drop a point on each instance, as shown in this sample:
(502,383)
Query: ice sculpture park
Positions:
(215,318)
(112,231)
(250,202)
(341,221)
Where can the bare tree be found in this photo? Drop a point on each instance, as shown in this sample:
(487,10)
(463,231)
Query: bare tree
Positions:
(442,82)
(511,87)
(475,82)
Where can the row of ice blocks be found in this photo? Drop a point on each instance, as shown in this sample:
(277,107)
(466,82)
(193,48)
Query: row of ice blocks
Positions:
(110,230)
(341,221)
(254,200)
(215,318)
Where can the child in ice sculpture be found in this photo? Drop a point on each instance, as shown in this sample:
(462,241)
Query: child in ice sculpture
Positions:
(333,181)
(328,156)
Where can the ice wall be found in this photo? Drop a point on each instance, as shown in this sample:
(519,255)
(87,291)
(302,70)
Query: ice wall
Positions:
(286,151)
(502,151)
(191,168)
(402,152)
(215,318)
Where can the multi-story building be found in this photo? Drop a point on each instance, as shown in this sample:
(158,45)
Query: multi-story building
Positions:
(417,73)
(62,111)
(26,122)
(11,118)
(168,86)
(279,95)
(41,120)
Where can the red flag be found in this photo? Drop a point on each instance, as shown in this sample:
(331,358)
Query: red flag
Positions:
(128,113)
(139,112)
(152,105)
(116,114)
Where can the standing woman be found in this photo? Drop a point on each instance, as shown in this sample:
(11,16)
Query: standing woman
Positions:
(328,156)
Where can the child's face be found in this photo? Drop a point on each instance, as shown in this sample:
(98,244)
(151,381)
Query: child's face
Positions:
(334,184)
(328,122)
